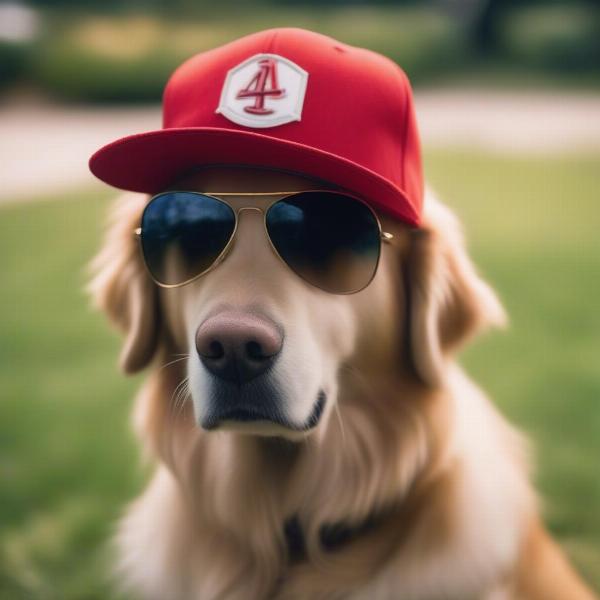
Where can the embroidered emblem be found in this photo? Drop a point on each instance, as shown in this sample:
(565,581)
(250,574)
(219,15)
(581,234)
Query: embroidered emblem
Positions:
(264,91)
(257,88)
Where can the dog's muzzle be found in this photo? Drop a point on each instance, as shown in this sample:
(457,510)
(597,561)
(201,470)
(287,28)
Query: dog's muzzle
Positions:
(239,350)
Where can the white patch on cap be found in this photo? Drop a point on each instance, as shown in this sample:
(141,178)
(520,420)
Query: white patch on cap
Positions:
(264,91)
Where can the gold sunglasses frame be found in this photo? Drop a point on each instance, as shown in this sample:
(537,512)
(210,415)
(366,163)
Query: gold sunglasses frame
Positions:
(384,236)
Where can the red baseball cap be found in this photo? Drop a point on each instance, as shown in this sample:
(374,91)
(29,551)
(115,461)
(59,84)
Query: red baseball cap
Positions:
(287,99)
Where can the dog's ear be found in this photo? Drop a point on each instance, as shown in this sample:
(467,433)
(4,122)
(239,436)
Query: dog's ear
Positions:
(447,300)
(122,288)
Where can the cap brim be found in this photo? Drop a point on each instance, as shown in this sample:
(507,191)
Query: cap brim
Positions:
(149,162)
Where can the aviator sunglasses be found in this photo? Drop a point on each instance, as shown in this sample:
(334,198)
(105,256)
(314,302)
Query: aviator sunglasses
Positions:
(330,239)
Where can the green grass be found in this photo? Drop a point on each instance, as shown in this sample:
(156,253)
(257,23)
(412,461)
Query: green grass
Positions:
(68,463)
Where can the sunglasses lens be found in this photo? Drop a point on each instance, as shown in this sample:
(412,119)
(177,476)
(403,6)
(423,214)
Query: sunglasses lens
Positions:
(183,233)
(329,239)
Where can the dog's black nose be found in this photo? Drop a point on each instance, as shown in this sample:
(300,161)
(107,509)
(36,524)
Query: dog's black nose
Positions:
(238,346)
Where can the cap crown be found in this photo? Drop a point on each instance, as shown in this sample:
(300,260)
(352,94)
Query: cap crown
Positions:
(316,91)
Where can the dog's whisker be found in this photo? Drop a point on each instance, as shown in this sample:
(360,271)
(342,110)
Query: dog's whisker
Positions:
(183,397)
(338,414)
(175,395)
(177,388)
(172,362)
(361,379)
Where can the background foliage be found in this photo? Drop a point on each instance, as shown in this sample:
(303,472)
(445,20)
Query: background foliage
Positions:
(121,51)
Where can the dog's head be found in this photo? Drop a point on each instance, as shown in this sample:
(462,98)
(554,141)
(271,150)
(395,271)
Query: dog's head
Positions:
(265,350)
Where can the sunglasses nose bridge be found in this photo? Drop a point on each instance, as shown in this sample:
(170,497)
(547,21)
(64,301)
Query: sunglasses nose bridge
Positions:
(260,211)
(256,208)
(251,236)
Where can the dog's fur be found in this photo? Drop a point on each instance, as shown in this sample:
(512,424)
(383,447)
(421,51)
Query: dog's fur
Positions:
(407,443)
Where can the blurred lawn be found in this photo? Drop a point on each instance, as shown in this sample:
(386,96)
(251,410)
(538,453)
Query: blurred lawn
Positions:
(68,462)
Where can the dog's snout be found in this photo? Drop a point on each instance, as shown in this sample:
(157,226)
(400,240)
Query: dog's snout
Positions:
(238,346)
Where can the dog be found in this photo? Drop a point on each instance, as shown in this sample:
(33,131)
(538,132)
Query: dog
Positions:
(409,484)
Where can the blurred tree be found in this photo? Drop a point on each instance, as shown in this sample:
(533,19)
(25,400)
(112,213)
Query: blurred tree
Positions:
(486,29)
(488,22)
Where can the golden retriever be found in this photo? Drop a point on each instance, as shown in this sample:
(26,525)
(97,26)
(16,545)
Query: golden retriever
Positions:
(408,484)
